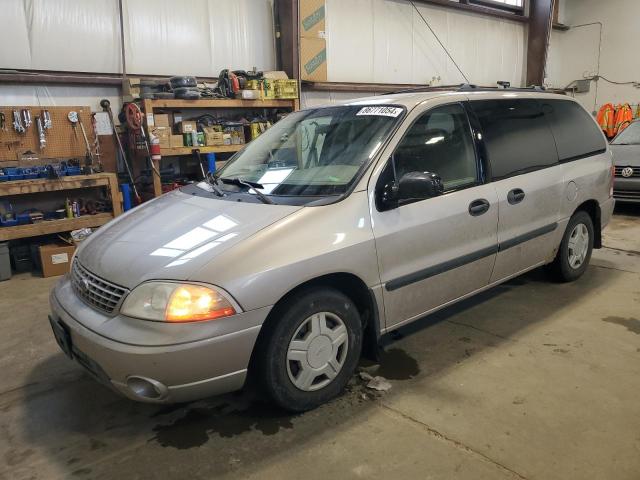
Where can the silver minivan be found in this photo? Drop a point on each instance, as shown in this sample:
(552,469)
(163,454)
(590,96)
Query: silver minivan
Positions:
(336,226)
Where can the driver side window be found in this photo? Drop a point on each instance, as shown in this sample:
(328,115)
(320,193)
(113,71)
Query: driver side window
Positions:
(440,142)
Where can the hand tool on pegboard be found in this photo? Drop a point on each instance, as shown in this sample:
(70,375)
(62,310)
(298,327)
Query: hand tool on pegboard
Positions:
(74,118)
(134,121)
(46,119)
(41,136)
(17,122)
(3,122)
(106,106)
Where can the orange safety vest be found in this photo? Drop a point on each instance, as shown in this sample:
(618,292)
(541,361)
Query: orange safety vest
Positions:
(624,117)
(606,119)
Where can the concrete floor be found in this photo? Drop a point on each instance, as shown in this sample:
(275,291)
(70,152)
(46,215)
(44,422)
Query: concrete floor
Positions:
(530,380)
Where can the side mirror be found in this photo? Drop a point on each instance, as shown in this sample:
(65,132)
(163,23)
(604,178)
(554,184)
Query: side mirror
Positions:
(419,186)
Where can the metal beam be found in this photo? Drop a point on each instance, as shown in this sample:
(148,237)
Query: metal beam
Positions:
(286,12)
(540,21)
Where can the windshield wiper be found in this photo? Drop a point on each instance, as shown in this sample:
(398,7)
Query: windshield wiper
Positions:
(239,181)
(212,180)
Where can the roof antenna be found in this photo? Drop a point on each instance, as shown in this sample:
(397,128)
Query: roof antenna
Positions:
(441,44)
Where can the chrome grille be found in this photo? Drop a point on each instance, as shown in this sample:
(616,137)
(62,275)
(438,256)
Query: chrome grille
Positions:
(95,291)
(636,172)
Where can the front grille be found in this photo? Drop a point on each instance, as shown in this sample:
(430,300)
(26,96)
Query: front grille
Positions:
(627,194)
(636,172)
(96,292)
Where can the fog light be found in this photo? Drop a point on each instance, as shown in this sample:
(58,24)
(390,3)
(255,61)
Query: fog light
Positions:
(146,388)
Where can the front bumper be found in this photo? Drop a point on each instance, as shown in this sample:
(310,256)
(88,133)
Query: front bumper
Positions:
(627,189)
(176,357)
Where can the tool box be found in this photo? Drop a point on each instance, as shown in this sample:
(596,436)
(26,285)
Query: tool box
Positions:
(21,258)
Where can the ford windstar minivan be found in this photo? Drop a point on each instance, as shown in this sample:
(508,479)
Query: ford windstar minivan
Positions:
(336,226)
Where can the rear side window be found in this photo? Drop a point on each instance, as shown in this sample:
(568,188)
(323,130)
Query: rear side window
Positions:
(576,133)
(517,136)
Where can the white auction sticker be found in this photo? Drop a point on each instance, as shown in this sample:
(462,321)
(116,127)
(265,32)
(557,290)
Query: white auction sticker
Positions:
(383,111)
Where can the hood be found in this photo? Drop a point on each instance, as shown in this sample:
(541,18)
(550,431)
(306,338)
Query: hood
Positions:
(626,155)
(172,237)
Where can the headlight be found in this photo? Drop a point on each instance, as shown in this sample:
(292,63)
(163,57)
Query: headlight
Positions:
(176,302)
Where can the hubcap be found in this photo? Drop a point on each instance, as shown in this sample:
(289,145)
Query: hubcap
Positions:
(317,351)
(578,245)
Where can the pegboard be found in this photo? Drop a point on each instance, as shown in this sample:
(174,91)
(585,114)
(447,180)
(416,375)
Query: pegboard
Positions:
(63,140)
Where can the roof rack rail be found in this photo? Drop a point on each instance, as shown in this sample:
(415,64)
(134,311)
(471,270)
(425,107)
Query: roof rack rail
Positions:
(470,87)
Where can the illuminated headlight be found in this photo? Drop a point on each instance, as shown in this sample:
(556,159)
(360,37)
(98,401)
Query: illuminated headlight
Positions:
(176,302)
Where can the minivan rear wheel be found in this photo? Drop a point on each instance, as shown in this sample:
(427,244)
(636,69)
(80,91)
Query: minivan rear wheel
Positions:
(310,350)
(575,249)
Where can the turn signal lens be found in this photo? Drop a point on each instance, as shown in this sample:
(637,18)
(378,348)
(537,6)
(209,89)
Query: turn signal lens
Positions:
(613,179)
(194,303)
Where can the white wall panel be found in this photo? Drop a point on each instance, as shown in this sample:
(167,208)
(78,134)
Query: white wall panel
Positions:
(349,31)
(53,95)
(167,37)
(162,37)
(15,51)
(73,35)
(386,41)
(574,54)
(242,35)
(311,98)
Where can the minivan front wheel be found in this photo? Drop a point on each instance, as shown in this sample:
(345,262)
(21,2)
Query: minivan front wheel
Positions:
(575,250)
(309,353)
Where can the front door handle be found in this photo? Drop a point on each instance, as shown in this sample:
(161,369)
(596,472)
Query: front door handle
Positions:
(515,196)
(478,207)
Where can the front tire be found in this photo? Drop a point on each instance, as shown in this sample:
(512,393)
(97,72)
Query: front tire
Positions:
(310,349)
(575,249)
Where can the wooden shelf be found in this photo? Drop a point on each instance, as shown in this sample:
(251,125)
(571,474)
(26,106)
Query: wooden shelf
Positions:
(53,226)
(213,103)
(20,187)
(149,106)
(189,150)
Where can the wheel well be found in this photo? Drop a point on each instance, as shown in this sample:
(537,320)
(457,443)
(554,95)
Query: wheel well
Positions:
(351,286)
(593,209)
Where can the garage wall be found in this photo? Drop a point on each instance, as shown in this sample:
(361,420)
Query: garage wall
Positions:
(574,54)
(162,37)
(386,41)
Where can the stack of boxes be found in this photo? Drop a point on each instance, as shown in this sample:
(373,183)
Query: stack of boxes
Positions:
(313,46)
(224,133)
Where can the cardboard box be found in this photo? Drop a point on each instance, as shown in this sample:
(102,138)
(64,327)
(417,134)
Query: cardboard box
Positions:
(56,259)
(176,141)
(161,120)
(313,59)
(312,18)
(213,137)
(187,126)
(163,134)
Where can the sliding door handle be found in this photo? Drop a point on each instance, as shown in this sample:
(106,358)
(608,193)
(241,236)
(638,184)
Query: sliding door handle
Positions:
(515,196)
(478,207)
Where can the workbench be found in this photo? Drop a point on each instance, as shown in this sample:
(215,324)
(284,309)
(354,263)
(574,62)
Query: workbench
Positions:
(42,186)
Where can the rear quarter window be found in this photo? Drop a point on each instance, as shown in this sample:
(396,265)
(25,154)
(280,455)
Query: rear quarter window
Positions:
(576,134)
(517,136)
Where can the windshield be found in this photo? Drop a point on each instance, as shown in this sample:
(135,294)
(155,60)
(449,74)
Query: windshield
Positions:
(314,152)
(629,136)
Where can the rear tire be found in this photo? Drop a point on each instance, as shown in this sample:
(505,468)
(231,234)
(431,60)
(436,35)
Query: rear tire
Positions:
(310,350)
(575,249)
